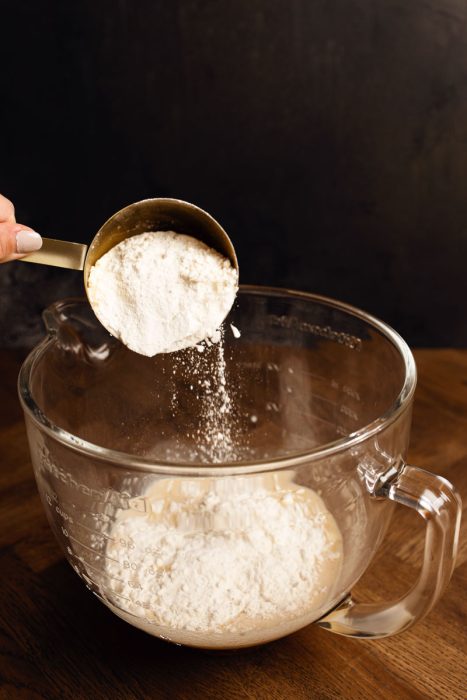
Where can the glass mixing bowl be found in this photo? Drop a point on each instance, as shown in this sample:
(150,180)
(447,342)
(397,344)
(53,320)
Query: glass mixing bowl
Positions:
(136,458)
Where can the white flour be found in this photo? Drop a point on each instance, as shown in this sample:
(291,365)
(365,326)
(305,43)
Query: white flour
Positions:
(218,422)
(216,435)
(216,556)
(209,559)
(162,291)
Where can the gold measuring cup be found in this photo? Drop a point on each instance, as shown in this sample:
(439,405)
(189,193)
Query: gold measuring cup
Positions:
(158,214)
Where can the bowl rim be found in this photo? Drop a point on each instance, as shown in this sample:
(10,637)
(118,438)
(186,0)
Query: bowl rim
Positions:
(127,461)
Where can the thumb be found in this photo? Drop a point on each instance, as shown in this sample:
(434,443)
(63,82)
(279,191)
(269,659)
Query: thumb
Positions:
(16,241)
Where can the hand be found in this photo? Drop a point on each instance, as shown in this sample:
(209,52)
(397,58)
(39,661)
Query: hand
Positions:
(16,240)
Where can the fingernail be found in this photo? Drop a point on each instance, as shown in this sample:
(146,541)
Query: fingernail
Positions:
(28,241)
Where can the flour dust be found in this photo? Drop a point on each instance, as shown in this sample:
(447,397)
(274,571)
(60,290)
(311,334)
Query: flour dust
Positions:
(216,435)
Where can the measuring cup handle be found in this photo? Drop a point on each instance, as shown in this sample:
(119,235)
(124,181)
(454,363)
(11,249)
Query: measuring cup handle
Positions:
(435,499)
(59,254)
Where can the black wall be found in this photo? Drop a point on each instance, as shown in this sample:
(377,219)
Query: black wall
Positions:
(329,137)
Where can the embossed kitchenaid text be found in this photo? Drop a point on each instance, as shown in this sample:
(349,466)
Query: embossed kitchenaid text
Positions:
(352,342)
(120,499)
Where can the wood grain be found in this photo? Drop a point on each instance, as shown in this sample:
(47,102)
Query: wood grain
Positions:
(58,641)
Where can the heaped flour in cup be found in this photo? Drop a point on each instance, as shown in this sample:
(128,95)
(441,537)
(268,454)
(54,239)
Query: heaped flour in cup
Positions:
(162,291)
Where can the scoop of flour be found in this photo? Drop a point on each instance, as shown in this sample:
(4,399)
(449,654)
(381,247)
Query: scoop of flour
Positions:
(162,291)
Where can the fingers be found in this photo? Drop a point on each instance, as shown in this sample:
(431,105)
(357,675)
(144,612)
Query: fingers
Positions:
(17,240)
(7,210)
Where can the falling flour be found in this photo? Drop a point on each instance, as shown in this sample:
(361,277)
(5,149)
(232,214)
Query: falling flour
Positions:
(227,561)
(162,291)
(215,433)
(212,562)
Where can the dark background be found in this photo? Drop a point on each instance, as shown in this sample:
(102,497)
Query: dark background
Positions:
(329,137)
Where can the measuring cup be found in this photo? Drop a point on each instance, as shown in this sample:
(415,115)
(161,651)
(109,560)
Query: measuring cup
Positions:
(158,214)
(321,399)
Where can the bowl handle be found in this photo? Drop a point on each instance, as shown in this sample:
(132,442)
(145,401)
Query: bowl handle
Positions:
(435,499)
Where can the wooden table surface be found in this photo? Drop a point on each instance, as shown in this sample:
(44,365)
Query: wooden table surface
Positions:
(58,641)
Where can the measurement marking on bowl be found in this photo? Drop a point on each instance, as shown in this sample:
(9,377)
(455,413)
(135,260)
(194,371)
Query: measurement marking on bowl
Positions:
(272,366)
(332,382)
(90,549)
(315,397)
(101,572)
(120,595)
(348,412)
(307,414)
(95,532)
(85,527)
(98,516)
(350,391)
(311,374)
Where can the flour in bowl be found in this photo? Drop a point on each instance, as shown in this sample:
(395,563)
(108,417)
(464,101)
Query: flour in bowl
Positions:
(221,562)
(162,291)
